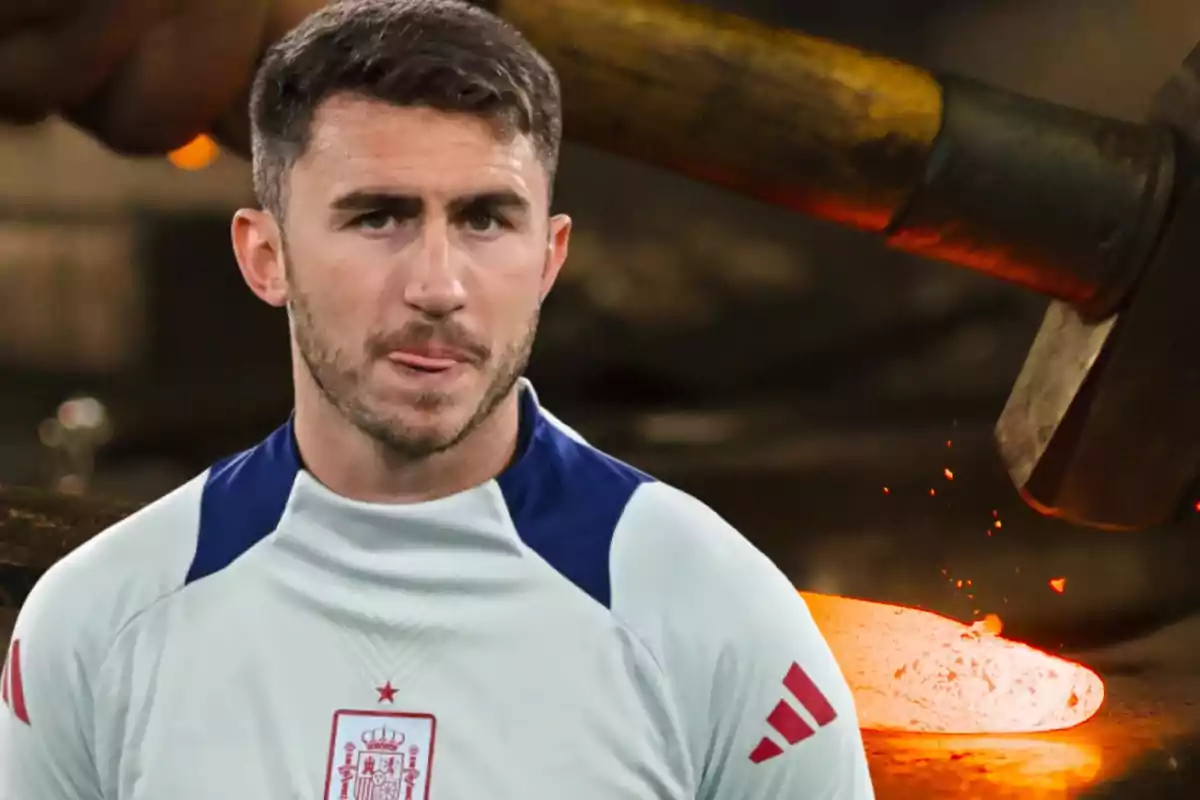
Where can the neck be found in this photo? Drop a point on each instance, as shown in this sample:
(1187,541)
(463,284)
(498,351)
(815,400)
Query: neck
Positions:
(355,466)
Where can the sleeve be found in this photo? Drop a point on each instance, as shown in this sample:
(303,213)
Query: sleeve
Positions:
(45,749)
(763,706)
(784,723)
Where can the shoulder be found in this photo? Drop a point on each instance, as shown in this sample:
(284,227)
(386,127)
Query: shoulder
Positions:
(88,596)
(678,562)
(194,531)
(67,626)
(701,595)
(611,528)
(566,499)
(668,538)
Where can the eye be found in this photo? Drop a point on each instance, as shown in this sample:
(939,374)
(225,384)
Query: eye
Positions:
(482,220)
(373,220)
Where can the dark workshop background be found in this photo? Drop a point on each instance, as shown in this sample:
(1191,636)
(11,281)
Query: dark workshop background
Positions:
(784,370)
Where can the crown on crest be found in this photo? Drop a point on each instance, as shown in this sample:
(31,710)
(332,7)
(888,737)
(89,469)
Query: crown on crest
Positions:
(383,739)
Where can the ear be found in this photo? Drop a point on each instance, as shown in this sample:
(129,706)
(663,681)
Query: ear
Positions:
(556,251)
(258,246)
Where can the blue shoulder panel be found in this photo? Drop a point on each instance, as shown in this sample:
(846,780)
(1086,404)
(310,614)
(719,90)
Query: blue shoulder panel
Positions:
(243,501)
(566,499)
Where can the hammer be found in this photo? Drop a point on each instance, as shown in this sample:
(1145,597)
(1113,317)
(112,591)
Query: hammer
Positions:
(1100,215)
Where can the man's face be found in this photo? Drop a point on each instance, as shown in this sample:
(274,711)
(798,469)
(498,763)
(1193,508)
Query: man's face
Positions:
(418,249)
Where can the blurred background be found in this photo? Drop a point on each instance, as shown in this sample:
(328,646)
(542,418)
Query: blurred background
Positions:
(831,398)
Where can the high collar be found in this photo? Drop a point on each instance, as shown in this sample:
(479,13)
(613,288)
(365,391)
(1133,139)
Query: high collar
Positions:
(478,511)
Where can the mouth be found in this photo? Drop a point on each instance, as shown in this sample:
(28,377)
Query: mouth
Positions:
(427,362)
(422,363)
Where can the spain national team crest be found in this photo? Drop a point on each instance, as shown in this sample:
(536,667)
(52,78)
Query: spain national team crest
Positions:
(380,755)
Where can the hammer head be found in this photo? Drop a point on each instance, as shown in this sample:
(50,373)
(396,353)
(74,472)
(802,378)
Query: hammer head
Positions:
(1103,425)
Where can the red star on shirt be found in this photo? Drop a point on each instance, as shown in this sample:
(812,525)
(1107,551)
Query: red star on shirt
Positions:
(387,693)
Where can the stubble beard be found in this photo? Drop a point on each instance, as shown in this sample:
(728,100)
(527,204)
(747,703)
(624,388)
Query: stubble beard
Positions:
(342,381)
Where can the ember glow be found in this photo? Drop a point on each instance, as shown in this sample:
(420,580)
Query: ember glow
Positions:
(1033,767)
(195,155)
(916,671)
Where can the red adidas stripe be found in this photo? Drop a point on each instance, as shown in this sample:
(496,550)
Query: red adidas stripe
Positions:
(787,722)
(766,750)
(802,686)
(14,687)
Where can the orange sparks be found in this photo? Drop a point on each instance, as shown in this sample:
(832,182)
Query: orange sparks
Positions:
(916,671)
(949,443)
(999,523)
(1058,584)
(886,490)
(958,584)
(949,475)
(933,492)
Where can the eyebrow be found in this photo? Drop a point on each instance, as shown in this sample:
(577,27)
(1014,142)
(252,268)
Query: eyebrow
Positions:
(364,200)
(498,199)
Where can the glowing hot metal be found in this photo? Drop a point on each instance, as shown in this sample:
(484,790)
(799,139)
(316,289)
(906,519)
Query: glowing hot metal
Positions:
(917,671)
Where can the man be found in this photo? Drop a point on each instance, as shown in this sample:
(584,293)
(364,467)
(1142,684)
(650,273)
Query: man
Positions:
(423,585)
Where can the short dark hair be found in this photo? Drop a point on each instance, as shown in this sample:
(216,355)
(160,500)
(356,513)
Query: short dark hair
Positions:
(446,55)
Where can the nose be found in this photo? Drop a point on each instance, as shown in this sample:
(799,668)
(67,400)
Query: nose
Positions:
(434,286)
